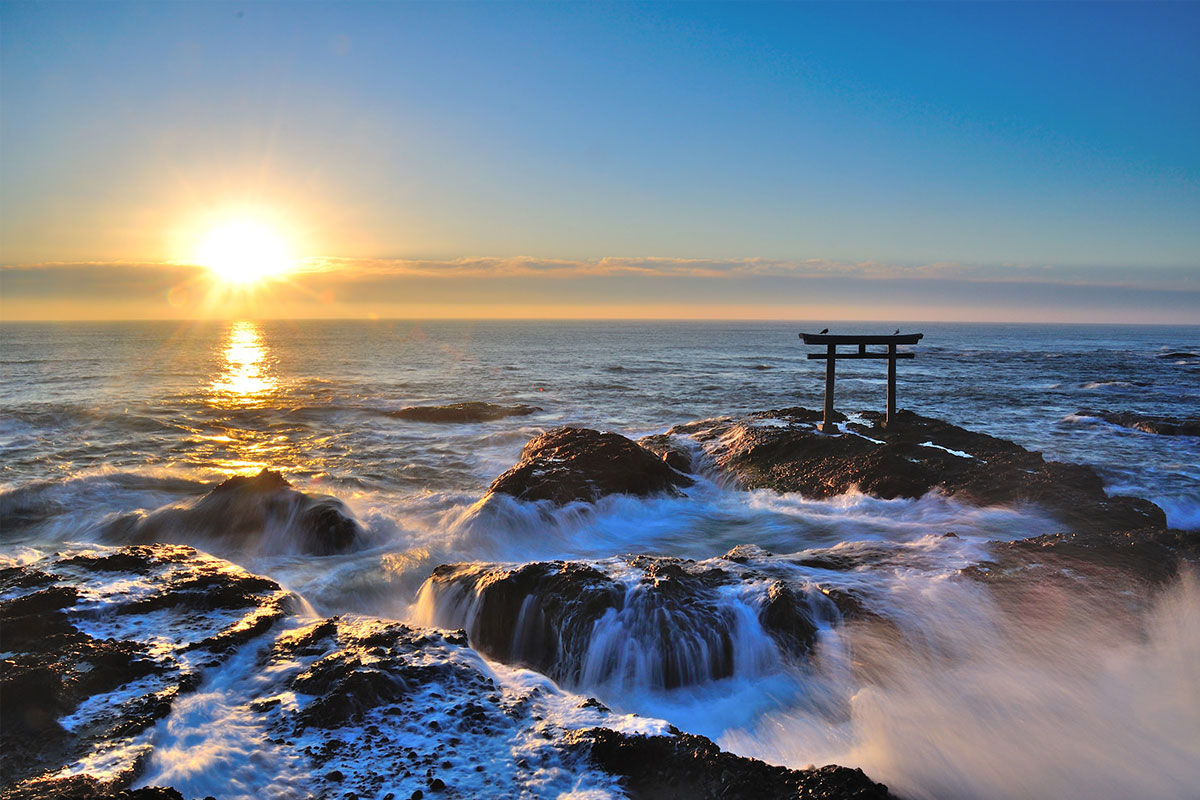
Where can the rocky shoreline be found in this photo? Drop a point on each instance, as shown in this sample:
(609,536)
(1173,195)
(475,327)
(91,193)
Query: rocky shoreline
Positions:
(101,644)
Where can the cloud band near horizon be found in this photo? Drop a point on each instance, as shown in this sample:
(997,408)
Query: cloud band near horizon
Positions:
(641,287)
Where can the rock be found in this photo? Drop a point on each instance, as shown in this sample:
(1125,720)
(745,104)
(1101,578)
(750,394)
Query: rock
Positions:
(577,464)
(1162,426)
(789,618)
(683,765)
(462,412)
(913,456)
(673,453)
(258,513)
(552,634)
(53,665)
(662,622)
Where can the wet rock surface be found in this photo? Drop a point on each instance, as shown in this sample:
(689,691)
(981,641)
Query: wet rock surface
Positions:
(463,412)
(260,513)
(97,646)
(666,621)
(782,450)
(684,765)
(578,464)
(1162,426)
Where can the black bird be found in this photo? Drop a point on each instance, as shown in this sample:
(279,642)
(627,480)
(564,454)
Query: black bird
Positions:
(824,330)
(896,332)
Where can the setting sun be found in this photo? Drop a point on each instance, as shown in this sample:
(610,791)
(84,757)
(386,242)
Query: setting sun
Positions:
(244,251)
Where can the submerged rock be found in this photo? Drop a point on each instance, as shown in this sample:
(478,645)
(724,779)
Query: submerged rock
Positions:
(578,464)
(463,412)
(783,450)
(684,765)
(260,513)
(1162,426)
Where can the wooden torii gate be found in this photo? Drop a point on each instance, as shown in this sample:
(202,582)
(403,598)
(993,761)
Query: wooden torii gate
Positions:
(831,355)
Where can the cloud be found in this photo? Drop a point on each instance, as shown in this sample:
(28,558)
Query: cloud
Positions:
(666,267)
(613,286)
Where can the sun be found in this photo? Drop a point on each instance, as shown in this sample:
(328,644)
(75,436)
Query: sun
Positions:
(244,251)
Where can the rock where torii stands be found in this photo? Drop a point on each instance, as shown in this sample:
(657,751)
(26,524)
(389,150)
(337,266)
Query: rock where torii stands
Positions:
(831,355)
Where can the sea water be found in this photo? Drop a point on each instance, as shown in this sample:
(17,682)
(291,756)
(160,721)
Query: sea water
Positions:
(103,419)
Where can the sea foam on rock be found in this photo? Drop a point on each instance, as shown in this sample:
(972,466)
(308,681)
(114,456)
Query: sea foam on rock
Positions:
(162,665)
(98,644)
(581,465)
(260,513)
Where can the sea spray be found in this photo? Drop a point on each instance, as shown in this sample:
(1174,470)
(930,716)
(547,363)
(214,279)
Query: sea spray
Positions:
(969,701)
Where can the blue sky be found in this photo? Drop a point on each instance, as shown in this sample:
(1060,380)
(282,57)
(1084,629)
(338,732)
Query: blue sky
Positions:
(1058,141)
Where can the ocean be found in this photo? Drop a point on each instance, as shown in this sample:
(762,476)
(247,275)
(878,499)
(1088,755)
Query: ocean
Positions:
(100,421)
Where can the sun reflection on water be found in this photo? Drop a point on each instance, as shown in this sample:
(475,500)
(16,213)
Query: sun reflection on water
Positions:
(245,376)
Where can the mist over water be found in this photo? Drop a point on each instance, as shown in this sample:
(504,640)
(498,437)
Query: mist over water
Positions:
(1073,688)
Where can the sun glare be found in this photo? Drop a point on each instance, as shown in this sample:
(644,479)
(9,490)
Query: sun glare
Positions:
(244,251)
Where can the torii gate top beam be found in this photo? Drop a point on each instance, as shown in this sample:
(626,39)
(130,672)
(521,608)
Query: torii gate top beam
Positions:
(843,338)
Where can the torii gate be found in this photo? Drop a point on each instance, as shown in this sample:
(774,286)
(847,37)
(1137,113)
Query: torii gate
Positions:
(831,341)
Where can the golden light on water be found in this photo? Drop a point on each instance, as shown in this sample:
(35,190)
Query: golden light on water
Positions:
(245,374)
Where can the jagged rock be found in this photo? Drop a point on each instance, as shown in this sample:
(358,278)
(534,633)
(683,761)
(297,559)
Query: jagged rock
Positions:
(911,457)
(463,412)
(684,765)
(53,664)
(1162,426)
(577,464)
(260,512)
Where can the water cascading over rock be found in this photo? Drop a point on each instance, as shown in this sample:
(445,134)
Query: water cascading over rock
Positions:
(639,622)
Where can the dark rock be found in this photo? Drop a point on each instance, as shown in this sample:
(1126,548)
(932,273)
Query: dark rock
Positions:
(345,687)
(908,459)
(252,513)
(437,785)
(335,775)
(789,618)
(1180,355)
(550,635)
(463,412)
(1152,555)
(1162,426)
(51,666)
(662,767)
(548,615)
(577,464)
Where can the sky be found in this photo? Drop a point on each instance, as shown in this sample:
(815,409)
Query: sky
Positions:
(972,161)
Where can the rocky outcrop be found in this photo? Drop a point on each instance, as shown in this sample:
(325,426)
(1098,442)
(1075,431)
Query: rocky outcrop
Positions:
(1162,426)
(260,513)
(580,465)
(101,644)
(462,412)
(83,636)
(645,621)
(783,450)
(684,765)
